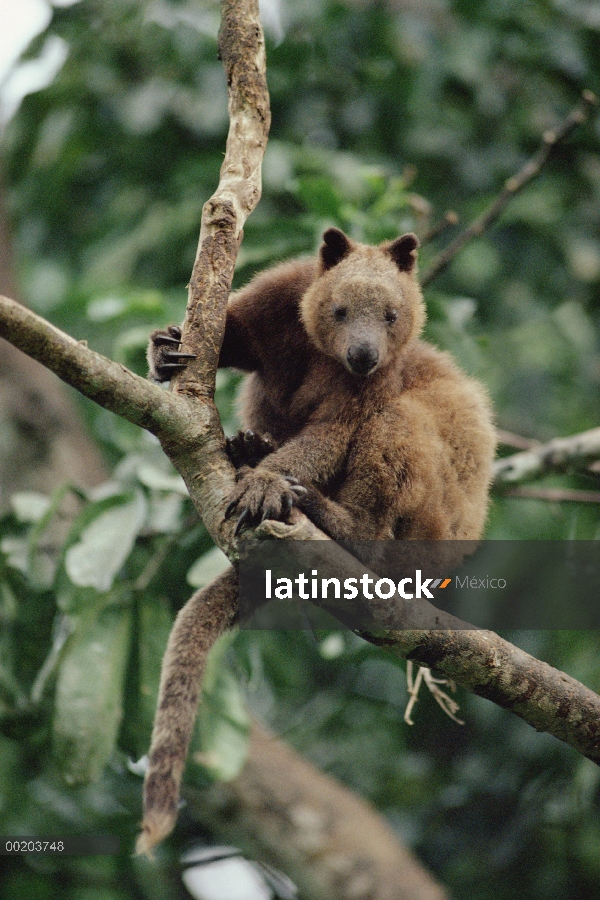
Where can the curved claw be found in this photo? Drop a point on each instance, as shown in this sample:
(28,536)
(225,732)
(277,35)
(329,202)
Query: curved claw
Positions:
(230,509)
(162,338)
(286,504)
(245,517)
(298,489)
(170,367)
(175,354)
(295,485)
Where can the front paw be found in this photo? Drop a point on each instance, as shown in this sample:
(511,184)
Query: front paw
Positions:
(260,495)
(164,356)
(246,448)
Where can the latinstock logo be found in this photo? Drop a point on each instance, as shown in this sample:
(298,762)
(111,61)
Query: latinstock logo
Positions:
(413,588)
(487,584)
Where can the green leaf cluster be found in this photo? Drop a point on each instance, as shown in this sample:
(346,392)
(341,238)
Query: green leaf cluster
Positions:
(88,591)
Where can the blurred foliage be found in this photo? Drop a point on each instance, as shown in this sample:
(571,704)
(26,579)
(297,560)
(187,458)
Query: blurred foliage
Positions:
(385,115)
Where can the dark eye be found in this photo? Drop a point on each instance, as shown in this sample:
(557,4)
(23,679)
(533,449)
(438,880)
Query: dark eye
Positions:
(339,313)
(391,316)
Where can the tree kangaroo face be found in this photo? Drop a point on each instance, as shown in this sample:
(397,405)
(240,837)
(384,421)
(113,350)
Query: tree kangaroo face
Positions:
(365,305)
(368,324)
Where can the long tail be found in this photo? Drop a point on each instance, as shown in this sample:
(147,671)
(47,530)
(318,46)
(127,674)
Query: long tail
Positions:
(206,615)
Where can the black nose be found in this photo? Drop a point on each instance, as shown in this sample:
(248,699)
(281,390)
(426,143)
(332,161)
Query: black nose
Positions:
(362,358)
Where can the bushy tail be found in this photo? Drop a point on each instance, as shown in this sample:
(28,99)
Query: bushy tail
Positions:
(206,615)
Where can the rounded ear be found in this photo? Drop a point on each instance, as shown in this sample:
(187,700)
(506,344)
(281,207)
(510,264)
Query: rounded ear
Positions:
(336,245)
(404,251)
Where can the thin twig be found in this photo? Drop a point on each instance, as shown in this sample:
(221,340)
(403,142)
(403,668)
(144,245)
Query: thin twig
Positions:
(490,667)
(450,218)
(426,677)
(554,495)
(413,686)
(444,700)
(516,183)
(509,439)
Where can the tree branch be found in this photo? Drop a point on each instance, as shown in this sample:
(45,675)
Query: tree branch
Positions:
(573,453)
(242,50)
(205,469)
(108,383)
(517,441)
(546,698)
(479,660)
(554,495)
(450,218)
(335,847)
(551,139)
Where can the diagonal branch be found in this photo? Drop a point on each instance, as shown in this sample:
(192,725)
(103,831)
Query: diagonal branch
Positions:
(328,840)
(479,660)
(108,383)
(545,697)
(516,183)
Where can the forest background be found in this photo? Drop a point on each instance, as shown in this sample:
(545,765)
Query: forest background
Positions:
(385,116)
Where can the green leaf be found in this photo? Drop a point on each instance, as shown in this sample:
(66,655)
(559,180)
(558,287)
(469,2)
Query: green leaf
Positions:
(41,565)
(29,506)
(207,567)
(220,742)
(104,545)
(88,703)
(157,480)
(8,605)
(164,513)
(16,551)
(28,554)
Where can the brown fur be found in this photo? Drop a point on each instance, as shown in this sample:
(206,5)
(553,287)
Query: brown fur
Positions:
(206,615)
(387,436)
(403,452)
